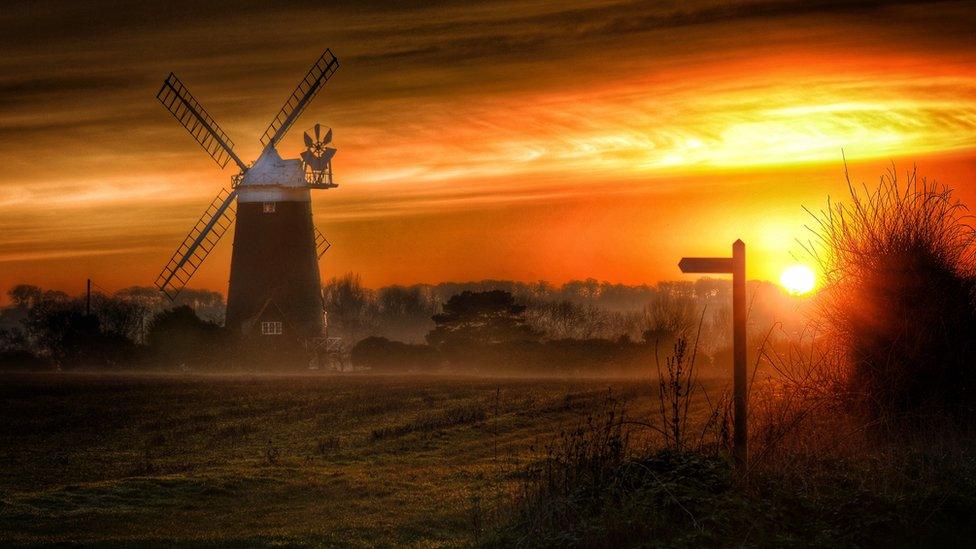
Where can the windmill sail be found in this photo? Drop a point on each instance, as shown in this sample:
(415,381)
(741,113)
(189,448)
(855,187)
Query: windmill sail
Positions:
(192,116)
(323,69)
(322,244)
(197,245)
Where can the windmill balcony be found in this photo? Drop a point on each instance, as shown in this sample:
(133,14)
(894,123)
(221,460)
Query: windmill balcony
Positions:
(320,180)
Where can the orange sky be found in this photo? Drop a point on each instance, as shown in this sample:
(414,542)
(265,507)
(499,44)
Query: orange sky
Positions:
(513,140)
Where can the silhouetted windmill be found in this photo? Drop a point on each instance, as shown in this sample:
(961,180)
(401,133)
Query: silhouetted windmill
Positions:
(274,276)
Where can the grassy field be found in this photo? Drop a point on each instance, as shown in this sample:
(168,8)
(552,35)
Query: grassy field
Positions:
(234,459)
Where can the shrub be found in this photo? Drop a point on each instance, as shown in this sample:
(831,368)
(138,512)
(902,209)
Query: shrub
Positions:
(382,355)
(179,336)
(897,264)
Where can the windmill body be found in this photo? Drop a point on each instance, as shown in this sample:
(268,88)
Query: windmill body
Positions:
(275,289)
(274,258)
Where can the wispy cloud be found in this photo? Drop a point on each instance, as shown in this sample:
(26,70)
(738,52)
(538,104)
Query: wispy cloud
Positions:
(442,108)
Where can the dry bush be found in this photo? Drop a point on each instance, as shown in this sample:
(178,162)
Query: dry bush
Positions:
(679,385)
(797,401)
(585,456)
(898,273)
(675,383)
(578,466)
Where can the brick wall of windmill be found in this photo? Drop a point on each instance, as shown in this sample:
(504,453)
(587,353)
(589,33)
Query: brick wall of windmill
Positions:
(274,259)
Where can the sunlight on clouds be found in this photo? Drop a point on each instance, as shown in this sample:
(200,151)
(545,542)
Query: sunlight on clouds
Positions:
(104,191)
(565,138)
(72,253)
(644,127)
(715,133)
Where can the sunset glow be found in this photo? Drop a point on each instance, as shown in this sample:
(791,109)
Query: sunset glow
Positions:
(798,279)
(463,161)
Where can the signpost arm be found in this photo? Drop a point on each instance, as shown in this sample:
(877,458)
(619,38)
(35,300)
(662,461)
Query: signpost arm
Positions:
(740,377)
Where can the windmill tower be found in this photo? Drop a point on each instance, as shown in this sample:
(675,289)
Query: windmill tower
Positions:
(274,288)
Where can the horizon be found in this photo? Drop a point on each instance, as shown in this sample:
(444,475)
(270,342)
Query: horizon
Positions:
(98,289)
(547,143)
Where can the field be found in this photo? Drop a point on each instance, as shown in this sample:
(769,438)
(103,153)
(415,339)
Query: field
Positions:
(237,459)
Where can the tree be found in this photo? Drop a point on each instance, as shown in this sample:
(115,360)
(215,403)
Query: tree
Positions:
(58,327)
(24,296)
(121,316)
(478,319)
(52,323)
(669,317)
(382,355)
(351,307)
(404,312)
(179,336)
(12,339)
(208,305)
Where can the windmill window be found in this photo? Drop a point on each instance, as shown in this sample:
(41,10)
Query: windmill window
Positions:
(269,207)
(271,328)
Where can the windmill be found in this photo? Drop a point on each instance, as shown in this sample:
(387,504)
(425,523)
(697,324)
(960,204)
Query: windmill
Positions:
(274,278)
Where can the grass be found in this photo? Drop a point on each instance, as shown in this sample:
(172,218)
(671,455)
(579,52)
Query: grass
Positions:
(233,459)
(818,475)
(598,489)
(452,417)
(230,460)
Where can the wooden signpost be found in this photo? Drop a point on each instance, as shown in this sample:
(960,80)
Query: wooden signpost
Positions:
(736,266)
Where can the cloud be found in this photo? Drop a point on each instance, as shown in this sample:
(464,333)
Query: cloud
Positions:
(441,107)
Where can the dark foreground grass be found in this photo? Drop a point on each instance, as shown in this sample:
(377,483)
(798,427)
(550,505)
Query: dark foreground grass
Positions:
(827,481)
(694,500)
(434,461)
(256,460)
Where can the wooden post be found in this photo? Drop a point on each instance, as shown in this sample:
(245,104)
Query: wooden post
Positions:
(736,266)
(740,435)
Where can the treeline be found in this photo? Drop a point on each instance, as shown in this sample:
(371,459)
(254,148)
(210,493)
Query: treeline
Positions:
(489,332)
(131,328)
(484,331)
(587,309)
(579,325)
(577,309)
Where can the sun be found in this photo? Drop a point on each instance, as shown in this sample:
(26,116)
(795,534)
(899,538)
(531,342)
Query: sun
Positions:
(798,279)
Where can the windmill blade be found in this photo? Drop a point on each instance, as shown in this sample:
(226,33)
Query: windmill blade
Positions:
(317,76)
(328,137)
(197,245)
(322,244)
(327,155)
(192,116)
(308,141)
